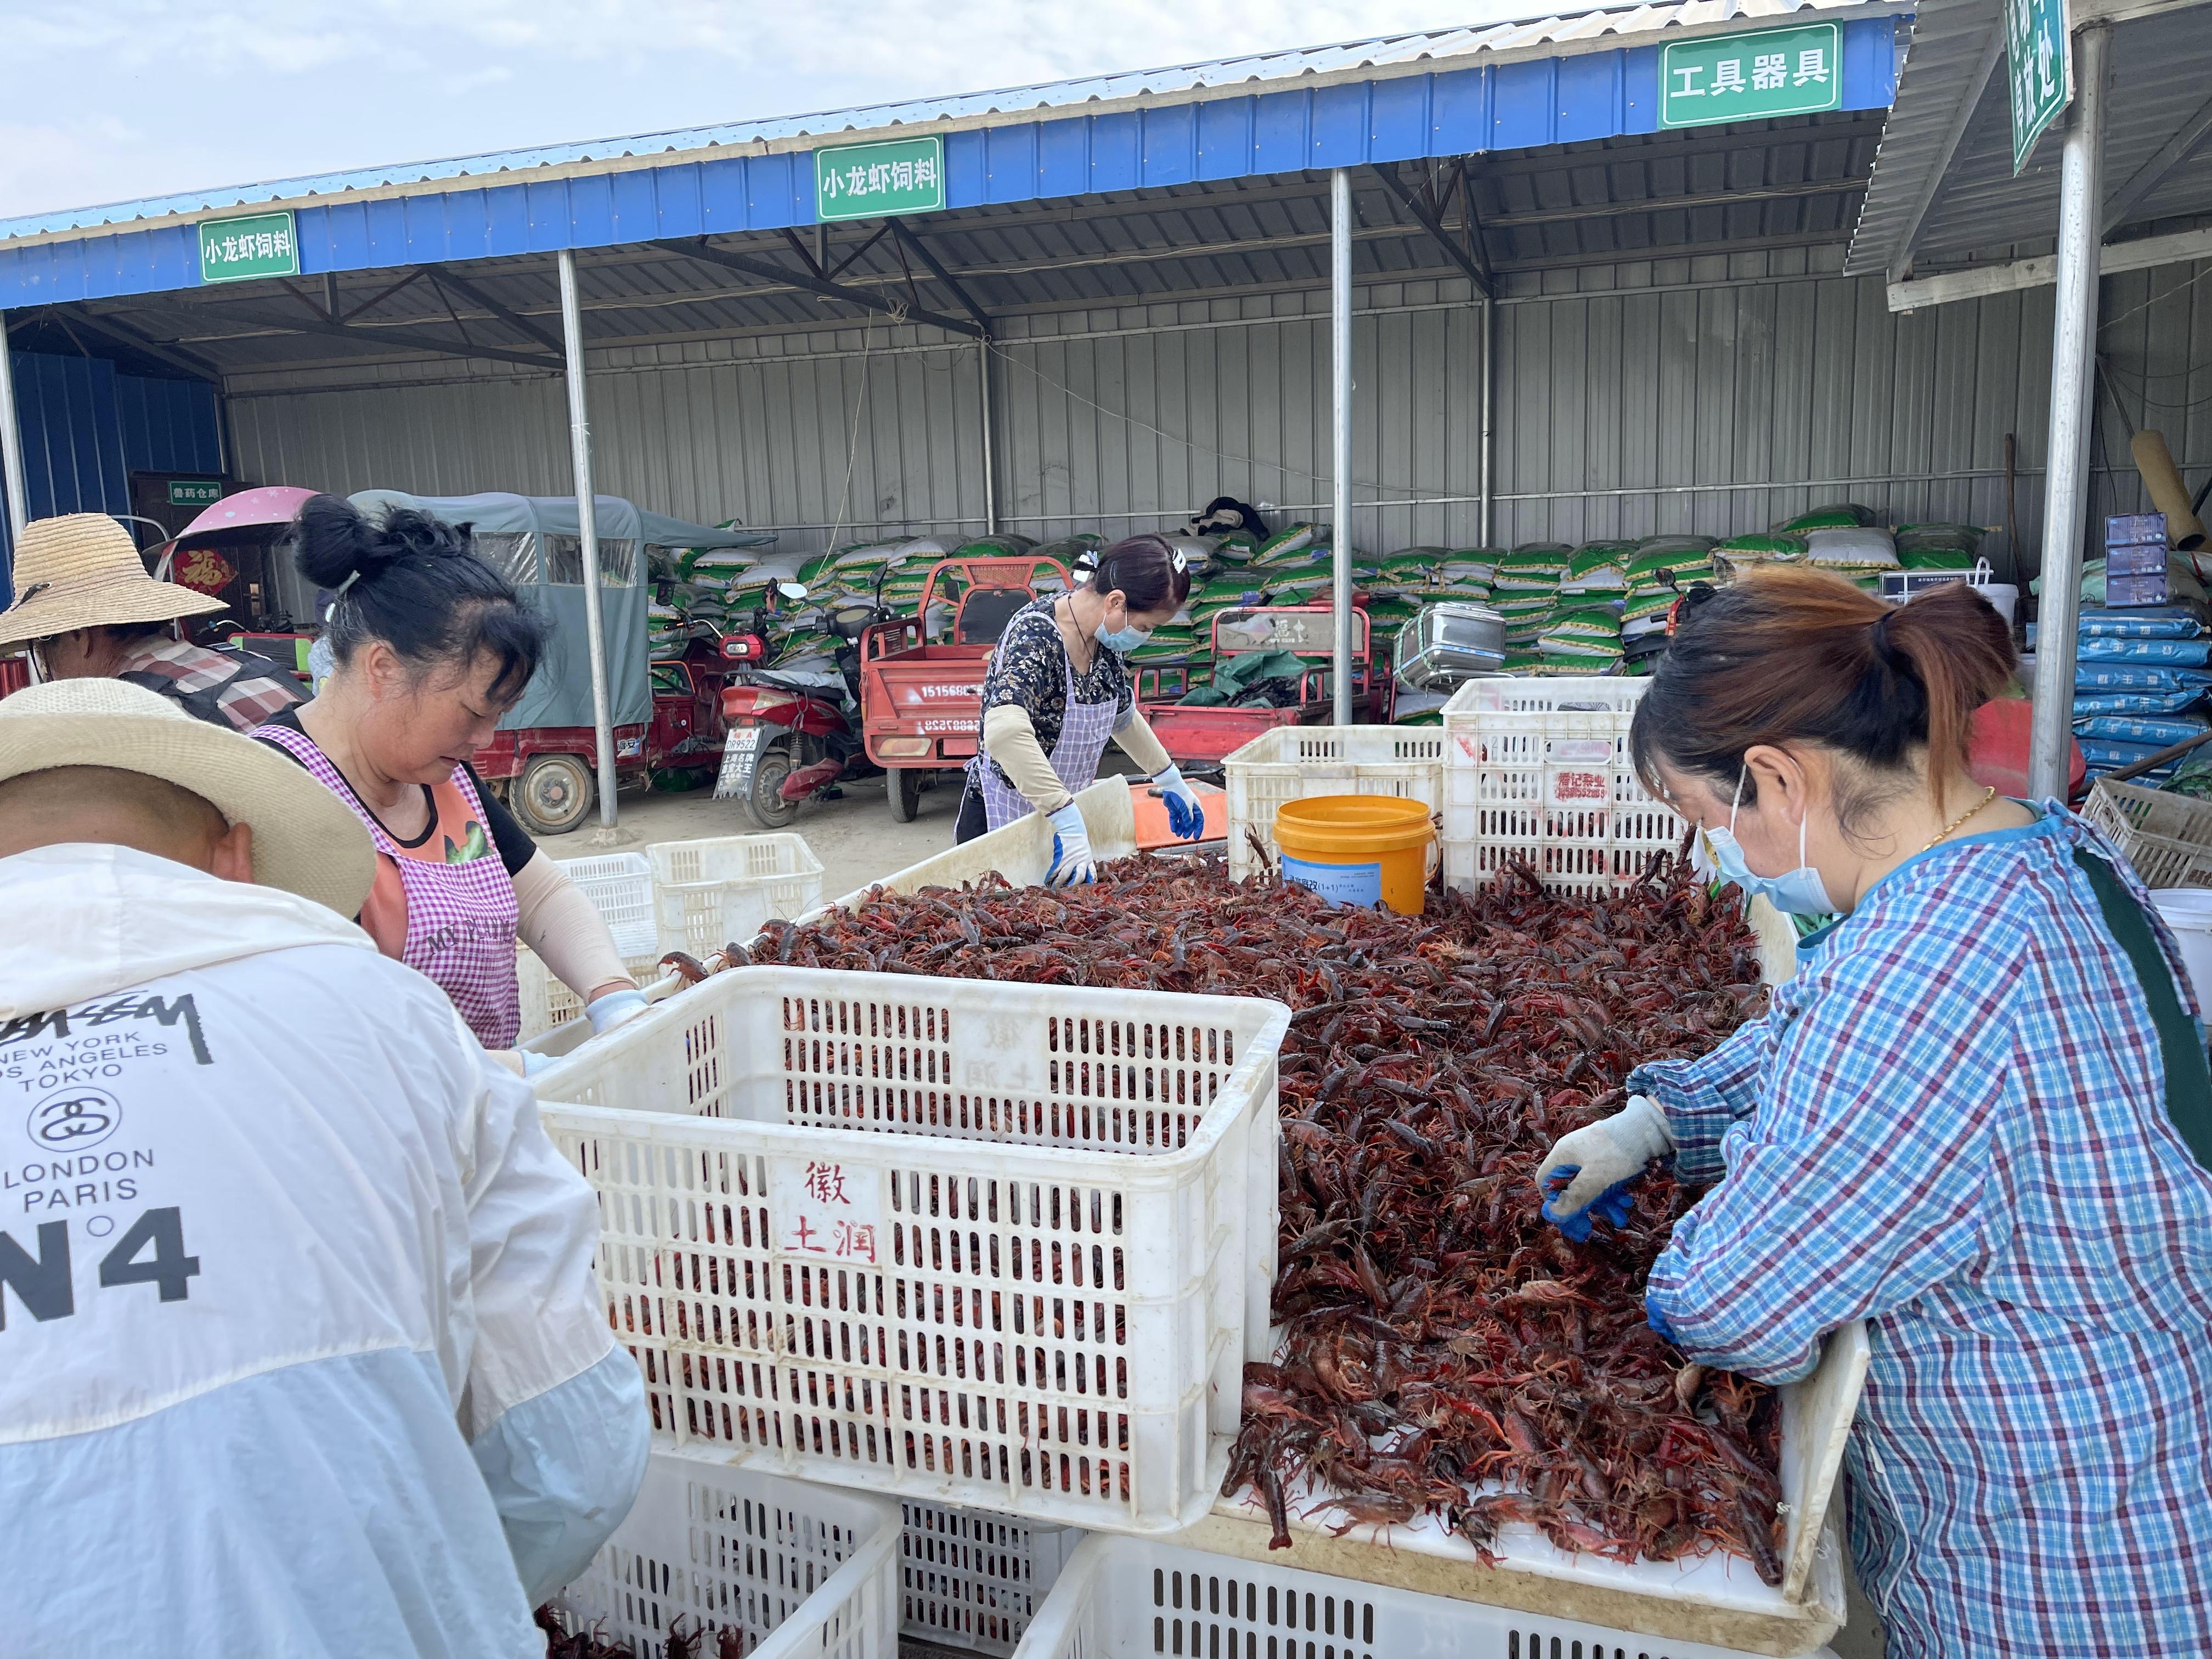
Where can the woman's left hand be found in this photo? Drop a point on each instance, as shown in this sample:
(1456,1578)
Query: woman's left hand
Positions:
(1186,813)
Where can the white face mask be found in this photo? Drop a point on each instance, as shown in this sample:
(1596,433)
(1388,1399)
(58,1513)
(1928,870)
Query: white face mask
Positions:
(1799,893)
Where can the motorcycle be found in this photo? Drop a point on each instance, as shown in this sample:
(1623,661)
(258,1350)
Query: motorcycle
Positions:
(792,737)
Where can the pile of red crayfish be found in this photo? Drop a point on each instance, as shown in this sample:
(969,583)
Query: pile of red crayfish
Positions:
(1447,1349)
(677,1642)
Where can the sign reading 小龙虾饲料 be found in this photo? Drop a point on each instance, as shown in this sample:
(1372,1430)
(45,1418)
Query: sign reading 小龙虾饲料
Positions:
(195,492)
(2038,70)
(867,181)
(239,250)
(1751,77)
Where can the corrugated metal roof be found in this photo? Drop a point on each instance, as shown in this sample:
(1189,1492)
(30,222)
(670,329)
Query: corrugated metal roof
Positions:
(1777,183)
(1559,35)
(2162,70)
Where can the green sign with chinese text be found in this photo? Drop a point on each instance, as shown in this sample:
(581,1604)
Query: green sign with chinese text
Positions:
(867,181)
(194,492)
(1751,77)
(240,250)
(2038,70)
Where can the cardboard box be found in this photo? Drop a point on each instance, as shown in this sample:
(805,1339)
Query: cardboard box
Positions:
(2122,591)
(2131,529)
(2137,559)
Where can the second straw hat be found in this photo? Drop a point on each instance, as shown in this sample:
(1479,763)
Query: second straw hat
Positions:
(83,570)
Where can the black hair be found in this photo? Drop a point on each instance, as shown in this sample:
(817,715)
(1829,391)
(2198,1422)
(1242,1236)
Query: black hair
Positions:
(413,581)
(1146,570)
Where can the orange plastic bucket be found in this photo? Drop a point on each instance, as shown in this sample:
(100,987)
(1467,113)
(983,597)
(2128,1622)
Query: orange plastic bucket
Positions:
(1357,849)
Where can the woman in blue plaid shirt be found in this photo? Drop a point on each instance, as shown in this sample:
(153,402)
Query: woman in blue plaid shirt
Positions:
(1978,1118)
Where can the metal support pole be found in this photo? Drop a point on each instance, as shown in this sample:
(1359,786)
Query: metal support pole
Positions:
(587,529)
(990,465)
(1489,397)
(1339,342)
(2073,356)
(11,437)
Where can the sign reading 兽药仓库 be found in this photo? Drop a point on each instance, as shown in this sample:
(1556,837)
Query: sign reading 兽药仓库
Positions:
(239,250)
(1751,77)
(195,492)
(867,181)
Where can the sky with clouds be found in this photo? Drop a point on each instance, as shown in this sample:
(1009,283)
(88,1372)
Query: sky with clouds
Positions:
(114,99)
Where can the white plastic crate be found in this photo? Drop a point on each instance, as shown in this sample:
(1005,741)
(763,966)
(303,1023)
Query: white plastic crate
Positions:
(707,894)
(801,1570)
(620,888)
(1121,1598)
(1052,1323)
(1538,770)
(1292,763)
(973,1580)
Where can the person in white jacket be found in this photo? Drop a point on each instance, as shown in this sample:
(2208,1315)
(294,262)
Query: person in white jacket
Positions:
(299,1348)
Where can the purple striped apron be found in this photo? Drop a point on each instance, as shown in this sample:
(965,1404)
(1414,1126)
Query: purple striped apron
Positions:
(1084,730)
(460,917)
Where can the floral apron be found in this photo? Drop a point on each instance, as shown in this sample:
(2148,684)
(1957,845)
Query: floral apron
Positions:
(460,917)
(1084,730)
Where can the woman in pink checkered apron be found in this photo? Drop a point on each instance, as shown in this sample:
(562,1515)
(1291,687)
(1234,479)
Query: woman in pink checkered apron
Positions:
(1058,689)
(431,647)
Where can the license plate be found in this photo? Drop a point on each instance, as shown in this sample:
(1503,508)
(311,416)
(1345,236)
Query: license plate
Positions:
(742,737)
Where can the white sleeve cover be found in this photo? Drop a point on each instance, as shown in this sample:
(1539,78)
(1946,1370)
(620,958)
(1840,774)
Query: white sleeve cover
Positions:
(1141,743)
(1011,739)
(553,1411)
(557,921)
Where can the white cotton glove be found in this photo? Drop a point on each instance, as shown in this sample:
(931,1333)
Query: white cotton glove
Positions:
(1186,816)
(1071,863)
(1602,1159)
(615,1008)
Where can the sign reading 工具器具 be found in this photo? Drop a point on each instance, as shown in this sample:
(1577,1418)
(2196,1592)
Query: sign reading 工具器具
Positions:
(2038,68)
(867,181)
(239,250)
(1751,77)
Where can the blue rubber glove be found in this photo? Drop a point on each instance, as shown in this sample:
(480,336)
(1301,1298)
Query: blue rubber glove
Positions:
(614,1009)
(1071,863)
(1657,1321)
(1589,1169)
(1613,1206)
(533,1062)
(1186,814)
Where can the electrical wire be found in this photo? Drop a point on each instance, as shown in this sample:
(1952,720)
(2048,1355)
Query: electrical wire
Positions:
(859,408)
(2156,298)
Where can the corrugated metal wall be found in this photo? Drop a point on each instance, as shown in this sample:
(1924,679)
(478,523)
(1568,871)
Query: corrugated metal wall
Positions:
(85,428)
(1714,395)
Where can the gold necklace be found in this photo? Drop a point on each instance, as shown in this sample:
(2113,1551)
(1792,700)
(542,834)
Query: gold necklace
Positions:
(1949,828)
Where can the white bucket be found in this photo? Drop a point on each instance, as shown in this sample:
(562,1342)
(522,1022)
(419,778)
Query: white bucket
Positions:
(2188,911)
(2005,596)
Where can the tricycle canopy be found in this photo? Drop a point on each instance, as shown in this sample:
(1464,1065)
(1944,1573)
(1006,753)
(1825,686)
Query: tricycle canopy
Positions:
(536,541)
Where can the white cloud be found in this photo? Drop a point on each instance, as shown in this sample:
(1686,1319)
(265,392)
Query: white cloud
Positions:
(253,90)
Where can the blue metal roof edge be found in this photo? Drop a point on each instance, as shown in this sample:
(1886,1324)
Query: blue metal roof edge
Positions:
(1521,104)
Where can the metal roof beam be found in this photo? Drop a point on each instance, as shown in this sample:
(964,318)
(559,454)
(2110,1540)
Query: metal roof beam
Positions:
(285,323)
(1459,256)
(1939,171)
(2114,258)
(514,318)
(129,338)
(923,251)
(2153,172)
(769,271)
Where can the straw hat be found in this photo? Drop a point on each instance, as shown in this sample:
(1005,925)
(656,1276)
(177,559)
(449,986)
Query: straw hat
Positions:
(81,571)
(306,840)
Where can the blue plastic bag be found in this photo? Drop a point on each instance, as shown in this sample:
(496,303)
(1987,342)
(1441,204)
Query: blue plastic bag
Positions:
(2174,653)
(2138,676)
(2137,702)
(2158,732)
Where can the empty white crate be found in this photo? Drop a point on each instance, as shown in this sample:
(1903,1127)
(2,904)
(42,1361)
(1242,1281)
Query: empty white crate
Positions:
(799,1569)
(1002,1246)
(620,888)
(707,894)
(1537,770)
(547,1003)
(973,1580)
(1119,1598)
(1292,763)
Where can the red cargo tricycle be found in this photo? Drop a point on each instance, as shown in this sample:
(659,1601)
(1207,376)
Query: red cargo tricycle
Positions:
(1199,735)
(921,703)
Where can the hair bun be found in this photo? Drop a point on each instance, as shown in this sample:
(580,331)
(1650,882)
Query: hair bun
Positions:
(334,541)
